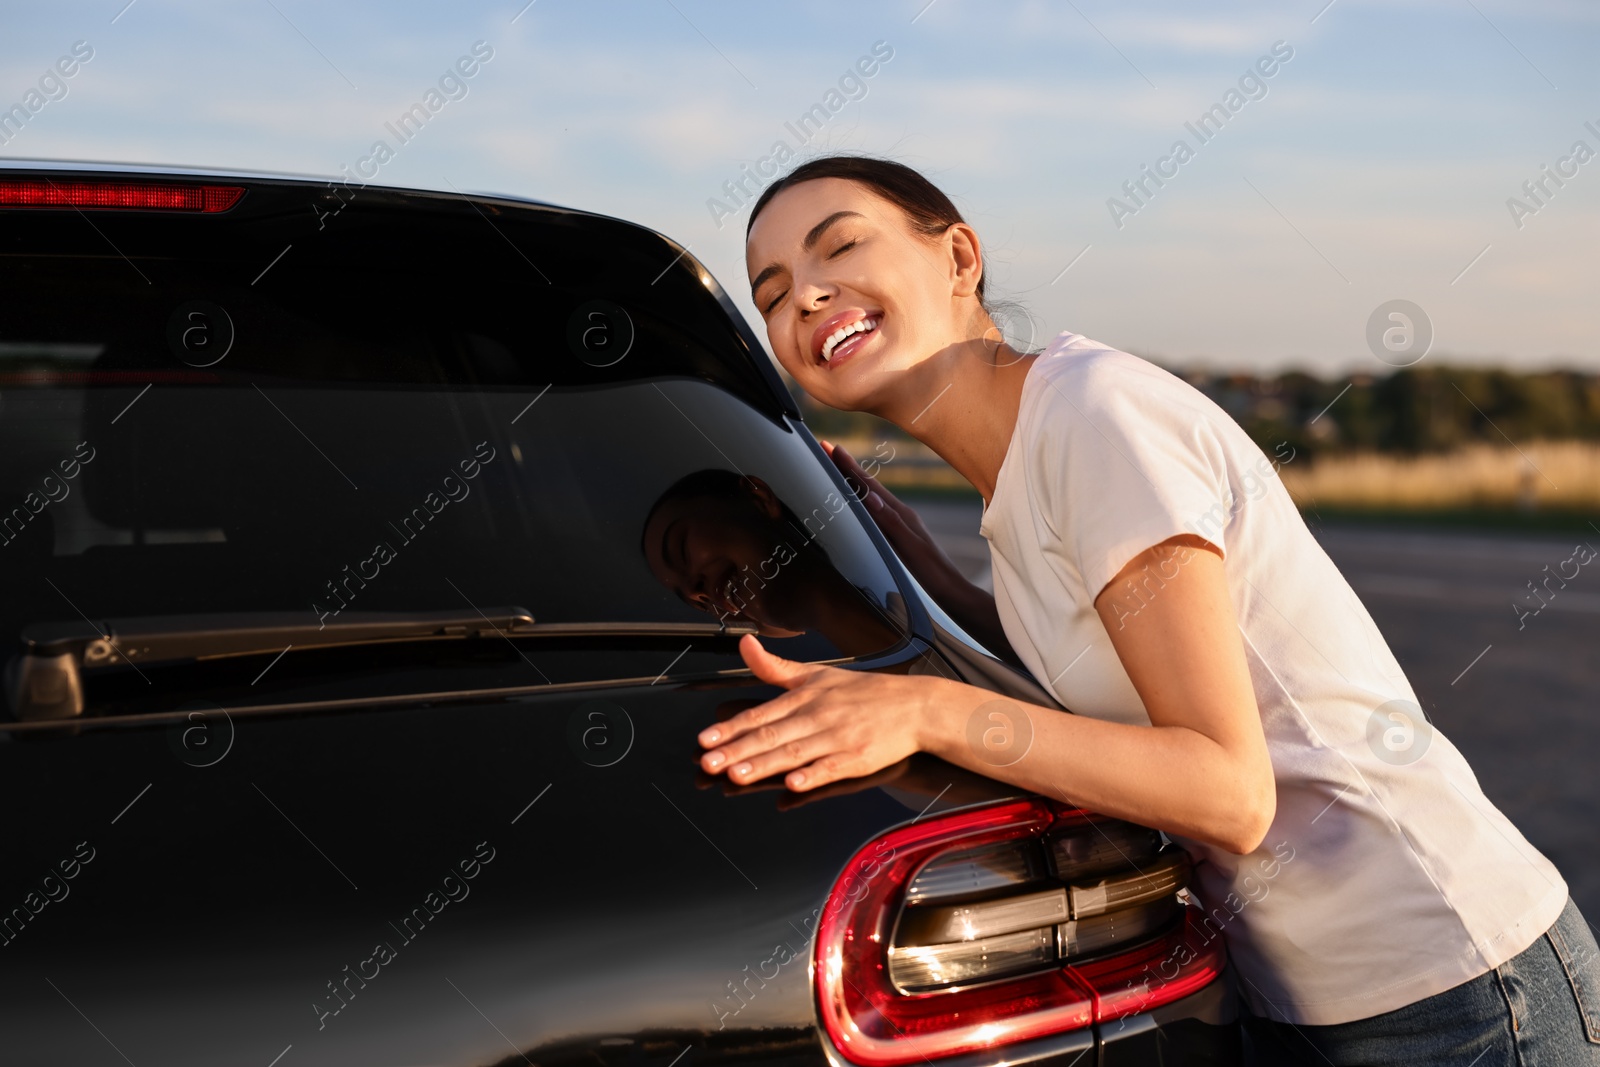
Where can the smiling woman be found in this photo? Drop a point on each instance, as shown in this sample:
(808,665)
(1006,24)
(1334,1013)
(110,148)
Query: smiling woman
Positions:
(1234,708)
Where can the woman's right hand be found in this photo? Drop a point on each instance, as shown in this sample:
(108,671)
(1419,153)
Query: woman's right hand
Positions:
(904,530)
(900,523)
(969,605)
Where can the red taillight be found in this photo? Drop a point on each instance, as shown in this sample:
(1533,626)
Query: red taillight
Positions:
(874,1015)
(31,192)
(1156,973)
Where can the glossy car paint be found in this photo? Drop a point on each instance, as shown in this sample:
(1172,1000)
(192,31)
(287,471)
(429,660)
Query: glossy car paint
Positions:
(461,880)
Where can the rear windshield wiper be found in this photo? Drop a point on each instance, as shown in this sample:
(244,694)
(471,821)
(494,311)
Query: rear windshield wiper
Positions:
(46,680)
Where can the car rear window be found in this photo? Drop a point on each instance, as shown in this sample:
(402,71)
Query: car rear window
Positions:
(414,404)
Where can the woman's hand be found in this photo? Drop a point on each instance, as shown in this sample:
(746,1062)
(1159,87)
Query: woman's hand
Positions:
(904,530)
(901,526)
(831,724)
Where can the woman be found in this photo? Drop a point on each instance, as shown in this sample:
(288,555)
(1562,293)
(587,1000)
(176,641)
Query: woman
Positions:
(1229,688)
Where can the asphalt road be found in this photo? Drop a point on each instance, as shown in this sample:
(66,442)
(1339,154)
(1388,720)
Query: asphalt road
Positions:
(1519,695)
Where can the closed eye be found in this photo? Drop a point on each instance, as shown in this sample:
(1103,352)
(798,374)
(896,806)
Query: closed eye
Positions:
(776,300)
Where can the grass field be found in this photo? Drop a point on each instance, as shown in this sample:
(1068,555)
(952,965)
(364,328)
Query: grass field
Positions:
(1541,476)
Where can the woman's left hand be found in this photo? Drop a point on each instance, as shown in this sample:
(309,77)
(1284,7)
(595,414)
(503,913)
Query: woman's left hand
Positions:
(831,724)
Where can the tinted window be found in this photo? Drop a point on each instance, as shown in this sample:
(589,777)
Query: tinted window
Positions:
(413,408)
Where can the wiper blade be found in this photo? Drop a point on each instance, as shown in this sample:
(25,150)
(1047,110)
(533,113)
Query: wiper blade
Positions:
(46,680)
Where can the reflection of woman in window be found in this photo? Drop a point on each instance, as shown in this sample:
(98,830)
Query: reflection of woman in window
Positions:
(725,544)
(1230,689)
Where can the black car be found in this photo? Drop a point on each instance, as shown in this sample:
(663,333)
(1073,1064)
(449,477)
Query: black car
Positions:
(370,560)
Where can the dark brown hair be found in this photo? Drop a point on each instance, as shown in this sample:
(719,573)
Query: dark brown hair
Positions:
(930,211)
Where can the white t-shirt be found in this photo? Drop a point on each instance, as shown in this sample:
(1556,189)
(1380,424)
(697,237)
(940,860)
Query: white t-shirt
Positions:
(1387,875)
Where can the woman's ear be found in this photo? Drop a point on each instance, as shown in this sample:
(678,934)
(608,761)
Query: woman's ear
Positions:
(967,257)
(765,498)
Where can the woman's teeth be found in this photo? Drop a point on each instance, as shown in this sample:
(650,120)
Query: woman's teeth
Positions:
(860,326)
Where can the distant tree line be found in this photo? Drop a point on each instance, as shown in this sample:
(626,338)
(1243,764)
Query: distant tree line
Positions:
(1428,408)
(1433,407)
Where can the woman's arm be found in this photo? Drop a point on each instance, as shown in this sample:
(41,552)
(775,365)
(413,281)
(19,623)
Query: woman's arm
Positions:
(1200,770)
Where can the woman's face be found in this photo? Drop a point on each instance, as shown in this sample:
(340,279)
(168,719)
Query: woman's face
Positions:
(718,555)
(829,255)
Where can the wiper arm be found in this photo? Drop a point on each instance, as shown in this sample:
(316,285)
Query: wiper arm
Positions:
(46,681)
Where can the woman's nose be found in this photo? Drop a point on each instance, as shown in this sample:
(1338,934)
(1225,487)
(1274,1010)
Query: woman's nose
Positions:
(700,590)
(812,299)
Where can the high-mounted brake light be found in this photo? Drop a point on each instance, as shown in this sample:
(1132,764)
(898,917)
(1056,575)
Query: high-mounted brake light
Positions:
(994,926)
(143,196)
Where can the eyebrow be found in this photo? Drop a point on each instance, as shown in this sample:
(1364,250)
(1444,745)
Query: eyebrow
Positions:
(808,243)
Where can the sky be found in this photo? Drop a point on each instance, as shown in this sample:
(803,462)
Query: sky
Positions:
(1383,159)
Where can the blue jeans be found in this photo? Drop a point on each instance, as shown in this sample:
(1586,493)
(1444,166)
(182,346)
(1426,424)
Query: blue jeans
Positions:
(1541,1008)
